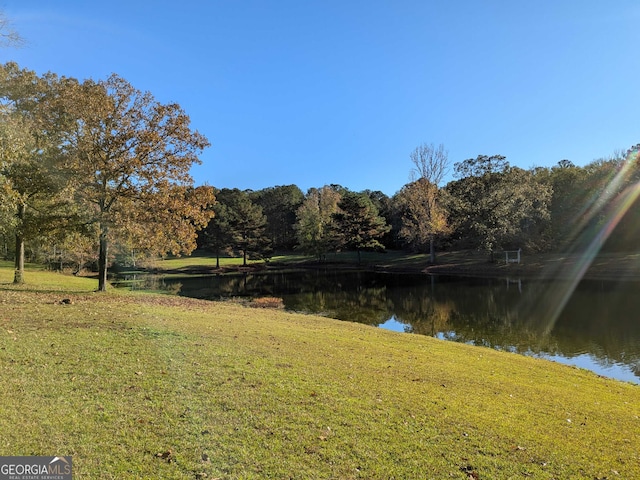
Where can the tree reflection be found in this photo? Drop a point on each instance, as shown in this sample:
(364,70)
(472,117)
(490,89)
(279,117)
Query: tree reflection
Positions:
(598,318)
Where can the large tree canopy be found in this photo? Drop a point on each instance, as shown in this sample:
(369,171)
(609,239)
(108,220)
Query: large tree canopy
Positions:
(422,214)
(30,159)
(128,159)
(495,204)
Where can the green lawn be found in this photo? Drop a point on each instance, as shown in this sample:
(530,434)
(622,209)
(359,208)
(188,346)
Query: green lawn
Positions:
(154,386)
(383,259)
(199,259)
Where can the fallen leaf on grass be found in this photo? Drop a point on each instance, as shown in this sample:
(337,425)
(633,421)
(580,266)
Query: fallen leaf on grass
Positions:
(471,472)
(168,456)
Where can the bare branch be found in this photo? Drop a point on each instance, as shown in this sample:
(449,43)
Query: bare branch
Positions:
(429,163)
(9,37)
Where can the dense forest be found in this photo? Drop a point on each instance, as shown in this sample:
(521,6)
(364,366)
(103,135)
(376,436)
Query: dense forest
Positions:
(96,172)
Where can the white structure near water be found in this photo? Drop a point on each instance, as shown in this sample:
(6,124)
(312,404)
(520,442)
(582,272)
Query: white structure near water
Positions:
(512,256)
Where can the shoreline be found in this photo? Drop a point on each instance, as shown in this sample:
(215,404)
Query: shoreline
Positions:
(606,267)
(546,266)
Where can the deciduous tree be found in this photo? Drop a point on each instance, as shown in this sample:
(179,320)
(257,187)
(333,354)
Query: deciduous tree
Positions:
(30,158)
(9,36)
(314,225)
(430,162)
(494,204)
(423,217)
(129,157)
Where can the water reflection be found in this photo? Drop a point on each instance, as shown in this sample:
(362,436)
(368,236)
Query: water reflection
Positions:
(596,328)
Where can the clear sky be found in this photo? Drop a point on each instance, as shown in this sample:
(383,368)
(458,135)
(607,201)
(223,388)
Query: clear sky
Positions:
(312,92)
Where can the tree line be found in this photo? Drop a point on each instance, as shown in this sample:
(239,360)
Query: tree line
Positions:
(96,171)
(490,206)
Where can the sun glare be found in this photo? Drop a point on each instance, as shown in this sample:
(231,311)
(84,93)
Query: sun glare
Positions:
(620,203)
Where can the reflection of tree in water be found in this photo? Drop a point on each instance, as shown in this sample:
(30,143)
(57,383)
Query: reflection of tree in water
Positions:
(598,319)
(435,321)
(420,308)
(366,305)
(490,313)
(147,282)
(352,296)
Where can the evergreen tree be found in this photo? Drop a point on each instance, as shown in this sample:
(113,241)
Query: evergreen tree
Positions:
(279,204)
(245,225)
(358,225)
(217,235)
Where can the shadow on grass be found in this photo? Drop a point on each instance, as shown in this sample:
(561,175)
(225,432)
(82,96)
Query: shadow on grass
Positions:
(11,287)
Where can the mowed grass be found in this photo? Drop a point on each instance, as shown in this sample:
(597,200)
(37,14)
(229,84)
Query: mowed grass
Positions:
(389,259)
(198,259)
(460,262)
(154,386)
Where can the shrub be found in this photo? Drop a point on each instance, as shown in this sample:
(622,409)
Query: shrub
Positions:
(267,302)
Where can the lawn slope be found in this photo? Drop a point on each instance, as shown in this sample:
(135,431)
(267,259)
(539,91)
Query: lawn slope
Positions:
(153,386)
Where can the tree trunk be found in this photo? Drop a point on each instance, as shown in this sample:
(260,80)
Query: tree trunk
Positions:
(244,258)
(18,276)
(102,260)
(432,250)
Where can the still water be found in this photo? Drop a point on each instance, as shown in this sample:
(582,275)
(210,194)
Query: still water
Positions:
(591,324)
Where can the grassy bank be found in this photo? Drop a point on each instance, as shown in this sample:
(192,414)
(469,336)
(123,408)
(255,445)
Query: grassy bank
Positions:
(606,266)
(153,386)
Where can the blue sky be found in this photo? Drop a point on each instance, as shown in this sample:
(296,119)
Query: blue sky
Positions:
(318,92)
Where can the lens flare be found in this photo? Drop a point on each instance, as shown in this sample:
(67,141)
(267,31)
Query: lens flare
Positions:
(614,206)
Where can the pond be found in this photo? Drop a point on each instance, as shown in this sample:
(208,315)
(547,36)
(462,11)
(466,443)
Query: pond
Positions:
(590,324)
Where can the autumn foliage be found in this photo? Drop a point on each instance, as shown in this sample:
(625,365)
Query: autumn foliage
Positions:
(121,158)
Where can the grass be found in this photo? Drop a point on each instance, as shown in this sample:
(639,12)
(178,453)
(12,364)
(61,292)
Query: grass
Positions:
(153,386)
(198,260)
(460,262)
(40,280)
(388,259)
